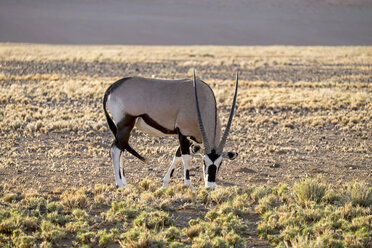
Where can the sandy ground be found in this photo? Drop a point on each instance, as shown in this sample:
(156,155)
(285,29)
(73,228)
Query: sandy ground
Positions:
(166,22)
(54,133)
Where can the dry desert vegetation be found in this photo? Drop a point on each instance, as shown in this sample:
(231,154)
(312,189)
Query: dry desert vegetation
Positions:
(302,129)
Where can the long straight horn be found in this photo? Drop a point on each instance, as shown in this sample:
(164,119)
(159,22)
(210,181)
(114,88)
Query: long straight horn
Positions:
(226,133)
(201,126)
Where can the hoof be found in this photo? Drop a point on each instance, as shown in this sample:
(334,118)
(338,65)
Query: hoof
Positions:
(210,185)
(122,186)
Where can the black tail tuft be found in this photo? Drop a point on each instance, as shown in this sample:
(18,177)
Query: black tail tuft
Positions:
(134,153)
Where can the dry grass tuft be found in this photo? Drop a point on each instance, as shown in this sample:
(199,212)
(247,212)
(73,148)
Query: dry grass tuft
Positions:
(309,190)
(74,199)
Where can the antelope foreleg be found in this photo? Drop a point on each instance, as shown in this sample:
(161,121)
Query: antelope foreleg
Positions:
(186,159)
(176,160)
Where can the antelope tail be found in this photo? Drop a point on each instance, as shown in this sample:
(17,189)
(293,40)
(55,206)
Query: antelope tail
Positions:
(114,129)
(108,118)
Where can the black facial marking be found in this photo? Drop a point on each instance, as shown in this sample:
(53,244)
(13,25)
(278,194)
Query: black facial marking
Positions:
(171,175)
(187,175)
(212,169)
(213,155)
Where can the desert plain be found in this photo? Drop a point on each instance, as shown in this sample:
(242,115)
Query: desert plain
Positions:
(302,112)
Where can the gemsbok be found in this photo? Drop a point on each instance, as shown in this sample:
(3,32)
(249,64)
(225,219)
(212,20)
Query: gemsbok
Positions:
(168,107)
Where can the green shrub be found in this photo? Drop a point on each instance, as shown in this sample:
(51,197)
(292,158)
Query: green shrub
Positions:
(192,231)
(30,224)
(260,192)
(176,244)
(51,232)
(57,218)
(85,237)
(106,238)
(202,242)
(360,194)
(309,190)
(234,240)
(212,215)
(311,216)
(221,195)
(121,211)
(74,199)
(153,220)
(79,214)
(172,233)
(140,237)
(266,203)
(54,206)
(10,220)
(203,196)
(23,240)
(10,197)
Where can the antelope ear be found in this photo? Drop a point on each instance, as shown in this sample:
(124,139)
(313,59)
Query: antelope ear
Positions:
(195,149)
(230,155)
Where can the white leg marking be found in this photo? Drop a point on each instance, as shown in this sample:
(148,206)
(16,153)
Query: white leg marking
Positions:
(186,159)
(204,176)
(166,179)
(211,185)
(115,155)
(123,180)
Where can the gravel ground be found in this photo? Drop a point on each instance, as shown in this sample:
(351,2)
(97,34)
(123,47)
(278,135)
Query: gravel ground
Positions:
(270,151)
(280,73)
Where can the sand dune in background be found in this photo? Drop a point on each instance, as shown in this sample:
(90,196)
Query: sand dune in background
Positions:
(205,22)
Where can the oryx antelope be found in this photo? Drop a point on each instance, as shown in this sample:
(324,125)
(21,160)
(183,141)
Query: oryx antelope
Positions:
(168,107)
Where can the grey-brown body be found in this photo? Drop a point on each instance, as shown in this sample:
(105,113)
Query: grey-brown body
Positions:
(170,103)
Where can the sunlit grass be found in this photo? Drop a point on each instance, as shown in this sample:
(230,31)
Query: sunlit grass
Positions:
(313,212)
(190,55)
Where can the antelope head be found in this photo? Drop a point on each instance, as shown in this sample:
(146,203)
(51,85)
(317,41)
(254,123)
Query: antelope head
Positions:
(213,156)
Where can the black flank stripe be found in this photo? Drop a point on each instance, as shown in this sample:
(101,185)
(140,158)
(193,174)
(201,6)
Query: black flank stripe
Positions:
(149,121)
